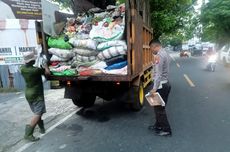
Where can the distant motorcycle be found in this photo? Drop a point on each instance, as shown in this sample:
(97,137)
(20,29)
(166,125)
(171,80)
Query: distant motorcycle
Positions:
(184,54)
(212,59)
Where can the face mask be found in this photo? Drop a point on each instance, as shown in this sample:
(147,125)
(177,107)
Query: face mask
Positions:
(155,52)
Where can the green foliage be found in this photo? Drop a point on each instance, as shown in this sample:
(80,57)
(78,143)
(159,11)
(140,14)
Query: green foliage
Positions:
(121,1)
(168,16)
(190,24)
(66,4)
(215,18)
(172,39)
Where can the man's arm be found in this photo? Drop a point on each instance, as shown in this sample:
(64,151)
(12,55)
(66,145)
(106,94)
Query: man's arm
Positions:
(47,70)
(157,78)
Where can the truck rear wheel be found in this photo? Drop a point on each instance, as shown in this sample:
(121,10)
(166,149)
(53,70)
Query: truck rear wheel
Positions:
(137,97)
(86,101)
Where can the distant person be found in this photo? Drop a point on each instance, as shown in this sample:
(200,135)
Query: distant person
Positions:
(6,11)
(34,93)
(162,86)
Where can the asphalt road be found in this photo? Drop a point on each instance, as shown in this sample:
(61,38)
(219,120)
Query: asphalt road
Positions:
(198,110)
(15,113)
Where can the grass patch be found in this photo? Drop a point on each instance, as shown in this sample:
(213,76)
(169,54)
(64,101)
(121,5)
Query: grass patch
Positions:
(8,90)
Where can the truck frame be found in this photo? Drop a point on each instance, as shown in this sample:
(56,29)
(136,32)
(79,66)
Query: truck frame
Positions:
(84,89)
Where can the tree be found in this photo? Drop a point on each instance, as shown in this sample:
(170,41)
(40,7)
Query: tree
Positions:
(215,19)
(70,4)
(174,40)
(168,16)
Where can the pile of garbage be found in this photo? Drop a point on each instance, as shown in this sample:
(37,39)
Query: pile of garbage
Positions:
(92,43)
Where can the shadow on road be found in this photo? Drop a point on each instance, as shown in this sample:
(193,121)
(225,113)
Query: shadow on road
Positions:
(104,111)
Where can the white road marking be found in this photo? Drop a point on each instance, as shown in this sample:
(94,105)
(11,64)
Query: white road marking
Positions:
(178,65)
(24,147)
(189,81)
(173,58)
(62,146)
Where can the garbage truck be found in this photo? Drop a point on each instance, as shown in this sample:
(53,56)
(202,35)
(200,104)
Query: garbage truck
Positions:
(135,73)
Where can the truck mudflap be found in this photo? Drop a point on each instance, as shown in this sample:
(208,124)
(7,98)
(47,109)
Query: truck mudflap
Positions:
(79,97)
(72,93)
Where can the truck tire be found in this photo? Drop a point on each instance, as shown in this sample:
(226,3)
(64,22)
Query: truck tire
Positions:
(86,101)
(137,97)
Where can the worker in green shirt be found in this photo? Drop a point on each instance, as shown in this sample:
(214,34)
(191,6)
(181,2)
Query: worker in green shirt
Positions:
(34,93)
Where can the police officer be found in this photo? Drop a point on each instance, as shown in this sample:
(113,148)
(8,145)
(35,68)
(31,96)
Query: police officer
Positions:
(162,86)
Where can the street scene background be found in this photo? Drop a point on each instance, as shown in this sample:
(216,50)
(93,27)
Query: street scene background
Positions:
(198,114)
(194,32)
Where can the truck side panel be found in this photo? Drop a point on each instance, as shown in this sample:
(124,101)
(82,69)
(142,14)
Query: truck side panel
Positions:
(147,55)
(141,57)
(136,42)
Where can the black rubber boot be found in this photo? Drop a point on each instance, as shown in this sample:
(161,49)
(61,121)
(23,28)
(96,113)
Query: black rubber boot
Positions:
(41,127)
(29,134)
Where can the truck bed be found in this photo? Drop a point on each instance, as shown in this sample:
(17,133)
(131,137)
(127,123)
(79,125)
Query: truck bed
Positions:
(139,56)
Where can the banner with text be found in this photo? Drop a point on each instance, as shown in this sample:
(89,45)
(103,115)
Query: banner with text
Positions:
(17,37)
(20,9)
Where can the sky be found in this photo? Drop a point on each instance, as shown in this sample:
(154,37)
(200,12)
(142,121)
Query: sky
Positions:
(199,3)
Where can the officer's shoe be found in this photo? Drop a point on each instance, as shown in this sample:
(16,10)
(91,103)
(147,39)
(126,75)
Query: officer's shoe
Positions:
(163,133)
(154,128)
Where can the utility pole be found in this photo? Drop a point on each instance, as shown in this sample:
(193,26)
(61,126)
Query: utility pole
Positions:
(1,85)
(11,79)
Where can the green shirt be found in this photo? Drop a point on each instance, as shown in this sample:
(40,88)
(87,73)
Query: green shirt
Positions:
(34,86)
